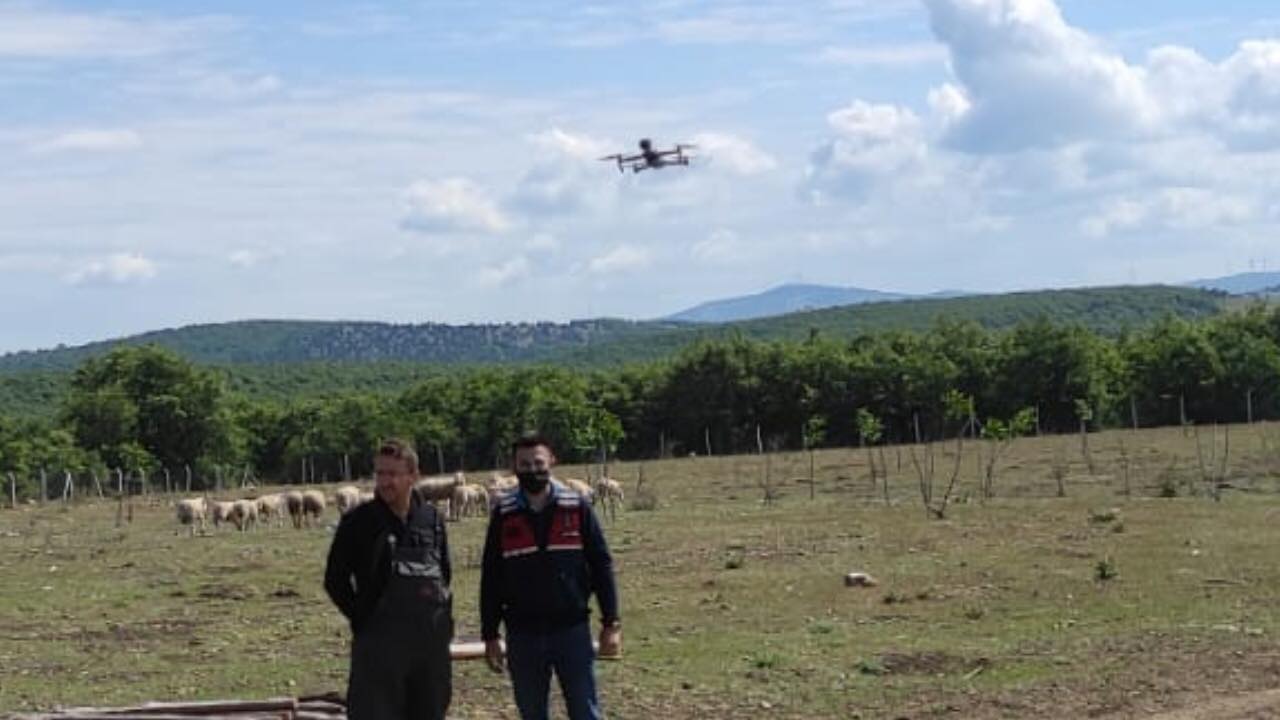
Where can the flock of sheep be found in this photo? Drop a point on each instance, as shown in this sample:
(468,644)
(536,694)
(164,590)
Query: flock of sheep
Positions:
(304,508)
(452,493)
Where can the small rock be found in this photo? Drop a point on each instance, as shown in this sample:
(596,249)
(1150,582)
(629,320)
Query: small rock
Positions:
(859,579)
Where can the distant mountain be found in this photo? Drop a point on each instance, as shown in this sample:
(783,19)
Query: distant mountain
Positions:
(275,346)
(780,301)
(1241,283)
(792,298)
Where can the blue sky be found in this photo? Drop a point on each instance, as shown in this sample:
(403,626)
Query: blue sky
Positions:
(168,163)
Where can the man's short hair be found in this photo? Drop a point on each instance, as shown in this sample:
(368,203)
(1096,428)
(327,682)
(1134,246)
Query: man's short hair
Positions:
(531,439)
(401,450)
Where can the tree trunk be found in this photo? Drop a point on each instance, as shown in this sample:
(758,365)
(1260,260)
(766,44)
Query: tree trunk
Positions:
(811,478)
(1182,412)
(13,491)
(706,438)
(44,486)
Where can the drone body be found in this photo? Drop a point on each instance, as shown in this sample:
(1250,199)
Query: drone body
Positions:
(650,159)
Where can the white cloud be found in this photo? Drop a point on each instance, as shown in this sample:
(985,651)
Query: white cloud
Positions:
(91,141)
(881,55)
(949,104)
(29,31)
(505,273)
(577,146)
(117,268)
(733,153)
(230,87)
(544,244)
(1170,209)
(735,25)
(721,247)
(565,177)
(872,142)
(451,205)
(1034,80)
(621,259)
(245,258)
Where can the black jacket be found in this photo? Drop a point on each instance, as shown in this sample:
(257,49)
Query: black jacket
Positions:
(542,590)
(358,565)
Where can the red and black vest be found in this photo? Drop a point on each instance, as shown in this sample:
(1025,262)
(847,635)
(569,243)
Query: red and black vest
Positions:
(543,586)
(519,536)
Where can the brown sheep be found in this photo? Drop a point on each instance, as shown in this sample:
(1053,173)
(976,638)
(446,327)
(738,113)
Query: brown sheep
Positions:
(293,503)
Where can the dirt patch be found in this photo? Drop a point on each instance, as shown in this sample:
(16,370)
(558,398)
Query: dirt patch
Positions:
(135,633)
(930,663)
(222,591)
(1263,705)
(1141,678)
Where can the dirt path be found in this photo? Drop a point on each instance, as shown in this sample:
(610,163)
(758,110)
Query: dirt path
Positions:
(1263,705)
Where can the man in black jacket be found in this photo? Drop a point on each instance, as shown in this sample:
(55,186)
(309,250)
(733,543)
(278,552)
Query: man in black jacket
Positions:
(544,556)
(388,572)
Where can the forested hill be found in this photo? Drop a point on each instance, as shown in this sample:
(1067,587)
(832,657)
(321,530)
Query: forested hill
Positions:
(604,342)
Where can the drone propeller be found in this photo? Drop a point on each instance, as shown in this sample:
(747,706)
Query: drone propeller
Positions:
(616,157)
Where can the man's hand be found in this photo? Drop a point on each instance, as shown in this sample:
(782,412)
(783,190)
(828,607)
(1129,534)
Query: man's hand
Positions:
(494,655)
(610,643)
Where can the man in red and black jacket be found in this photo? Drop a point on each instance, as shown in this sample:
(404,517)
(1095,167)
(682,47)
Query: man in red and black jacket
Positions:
(544,556)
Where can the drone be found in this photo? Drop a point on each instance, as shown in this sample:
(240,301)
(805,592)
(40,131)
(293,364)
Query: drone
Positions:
(650,158)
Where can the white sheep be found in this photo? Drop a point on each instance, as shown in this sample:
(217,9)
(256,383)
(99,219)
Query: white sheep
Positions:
(468,500)
(244,514)
(609,492)
(582,487)
(313,505)
(437,487)
(192,512)
(498,486)
(345,498)
(271,507)
(221,511)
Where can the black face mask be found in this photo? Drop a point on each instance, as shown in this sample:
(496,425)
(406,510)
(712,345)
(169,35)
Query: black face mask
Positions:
(534,481)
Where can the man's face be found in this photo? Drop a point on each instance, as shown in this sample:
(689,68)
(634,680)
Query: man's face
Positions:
(534,459)
(392,478)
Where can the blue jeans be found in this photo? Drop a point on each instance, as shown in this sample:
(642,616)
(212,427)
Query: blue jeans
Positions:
(531,657)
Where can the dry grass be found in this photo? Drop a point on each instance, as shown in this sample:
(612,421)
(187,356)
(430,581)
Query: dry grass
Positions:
(732,608)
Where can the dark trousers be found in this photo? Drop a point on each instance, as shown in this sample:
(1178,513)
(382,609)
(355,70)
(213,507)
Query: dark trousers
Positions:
(401,670)
(532,657)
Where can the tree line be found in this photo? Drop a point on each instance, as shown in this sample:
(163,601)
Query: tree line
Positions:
(147,409)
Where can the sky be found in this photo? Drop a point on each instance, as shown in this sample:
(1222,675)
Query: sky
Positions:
(164,163)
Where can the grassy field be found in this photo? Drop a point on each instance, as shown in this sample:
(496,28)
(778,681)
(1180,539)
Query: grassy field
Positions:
(1026,605)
